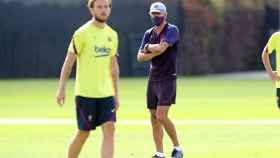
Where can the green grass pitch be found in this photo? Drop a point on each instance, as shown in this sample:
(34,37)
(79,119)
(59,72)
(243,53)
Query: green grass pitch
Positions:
(198,99)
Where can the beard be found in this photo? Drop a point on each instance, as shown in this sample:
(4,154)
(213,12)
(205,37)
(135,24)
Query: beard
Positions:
(100,20)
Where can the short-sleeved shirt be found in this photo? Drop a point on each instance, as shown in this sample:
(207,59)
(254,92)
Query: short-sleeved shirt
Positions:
(164,66)
(273,46)
(95,48)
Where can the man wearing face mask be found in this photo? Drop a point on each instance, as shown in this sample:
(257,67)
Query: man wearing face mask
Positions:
(160,46)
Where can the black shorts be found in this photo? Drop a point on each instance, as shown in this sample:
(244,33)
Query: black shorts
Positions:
(278,92)
(161,93)
(278,97)
(93,112)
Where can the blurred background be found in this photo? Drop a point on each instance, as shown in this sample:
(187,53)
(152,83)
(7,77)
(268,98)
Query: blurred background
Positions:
(217,36)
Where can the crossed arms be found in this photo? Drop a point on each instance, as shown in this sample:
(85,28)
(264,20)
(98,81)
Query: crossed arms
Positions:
(151,50)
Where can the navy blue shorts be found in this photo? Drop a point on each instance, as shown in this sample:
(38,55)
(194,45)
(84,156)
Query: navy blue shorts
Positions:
(93,112)
(161,93)
(278,97)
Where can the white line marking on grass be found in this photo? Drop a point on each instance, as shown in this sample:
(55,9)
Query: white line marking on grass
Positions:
(35,121)
(41,121)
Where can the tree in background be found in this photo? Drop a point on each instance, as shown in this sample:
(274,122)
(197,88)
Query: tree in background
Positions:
(223,35)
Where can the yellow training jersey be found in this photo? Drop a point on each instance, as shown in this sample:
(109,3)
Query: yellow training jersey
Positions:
(95,48)
(273,46)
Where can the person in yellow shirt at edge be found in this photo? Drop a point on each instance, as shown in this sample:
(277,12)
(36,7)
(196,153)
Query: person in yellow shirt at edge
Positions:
(272,49)
(94,46)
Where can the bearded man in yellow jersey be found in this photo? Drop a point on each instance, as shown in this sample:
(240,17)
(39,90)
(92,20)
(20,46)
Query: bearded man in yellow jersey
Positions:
(272,49)
(94,47)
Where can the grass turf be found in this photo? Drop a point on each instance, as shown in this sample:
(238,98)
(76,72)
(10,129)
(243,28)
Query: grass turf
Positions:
(198,98)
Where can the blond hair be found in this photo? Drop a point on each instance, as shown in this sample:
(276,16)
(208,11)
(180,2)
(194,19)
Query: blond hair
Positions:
(91,3)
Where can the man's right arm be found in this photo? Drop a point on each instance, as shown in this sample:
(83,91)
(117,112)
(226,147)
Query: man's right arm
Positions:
(65,73)
(144,56)
(266,62)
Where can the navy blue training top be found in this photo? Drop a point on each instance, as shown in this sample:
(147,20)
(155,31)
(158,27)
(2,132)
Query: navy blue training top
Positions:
(164,66)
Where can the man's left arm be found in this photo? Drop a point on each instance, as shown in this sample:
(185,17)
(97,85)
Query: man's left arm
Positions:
(157,48)
(115,73)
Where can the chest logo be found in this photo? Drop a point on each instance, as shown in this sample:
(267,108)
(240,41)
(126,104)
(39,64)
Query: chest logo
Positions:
(109,39)
(102,51)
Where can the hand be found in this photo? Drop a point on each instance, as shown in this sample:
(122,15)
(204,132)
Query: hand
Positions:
(60,96)
(274,76)
(117,103)
(146,47)
(142,57)
(145,51)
